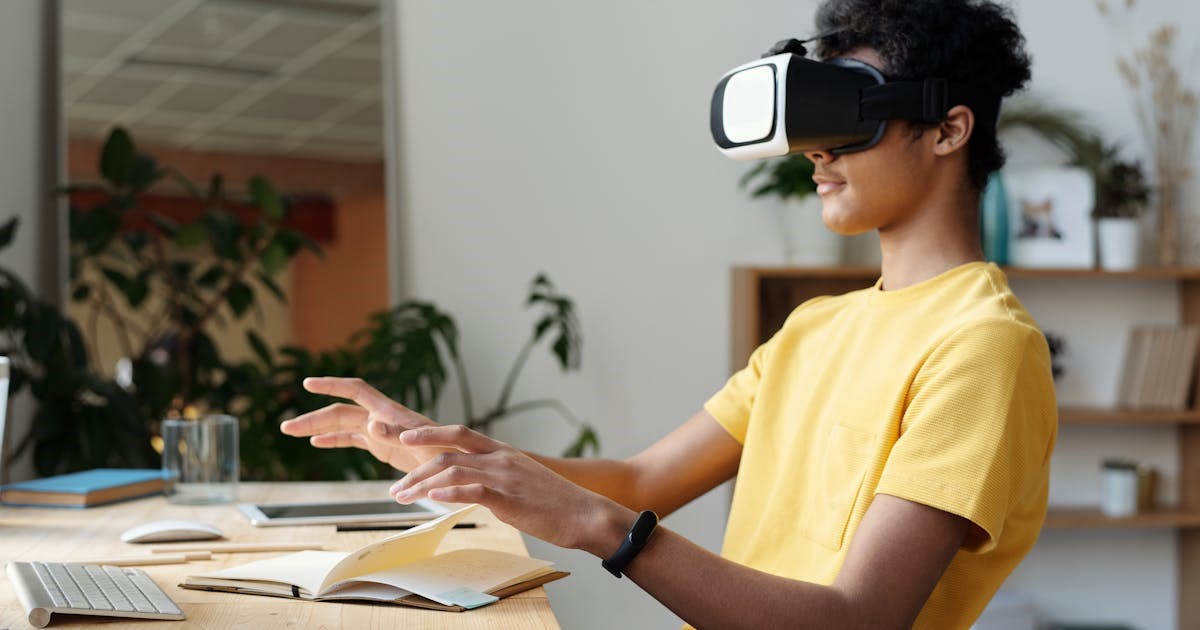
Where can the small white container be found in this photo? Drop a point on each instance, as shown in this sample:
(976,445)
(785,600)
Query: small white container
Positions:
(1119,488)
(1118,241)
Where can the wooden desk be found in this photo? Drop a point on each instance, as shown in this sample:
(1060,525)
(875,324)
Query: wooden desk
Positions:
(65,534)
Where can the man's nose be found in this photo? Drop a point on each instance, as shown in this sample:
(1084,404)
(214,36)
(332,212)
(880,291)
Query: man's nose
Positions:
(821,156)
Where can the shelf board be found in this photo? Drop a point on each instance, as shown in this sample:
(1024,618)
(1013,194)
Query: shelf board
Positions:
(872,273)
(1091,518)
(1079,415)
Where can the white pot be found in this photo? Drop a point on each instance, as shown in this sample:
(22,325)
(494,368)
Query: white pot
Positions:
(1118,241)
(805,239)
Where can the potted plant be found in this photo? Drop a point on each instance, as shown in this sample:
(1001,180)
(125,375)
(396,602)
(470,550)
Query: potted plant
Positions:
(1121,191)
(805,239)
(1122,196)
(205,271)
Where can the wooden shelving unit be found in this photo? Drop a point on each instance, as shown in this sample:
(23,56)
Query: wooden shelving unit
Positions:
(1126,416)
(764,296)
(1087,518)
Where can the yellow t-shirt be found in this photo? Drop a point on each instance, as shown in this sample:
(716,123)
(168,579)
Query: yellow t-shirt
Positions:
(938,393)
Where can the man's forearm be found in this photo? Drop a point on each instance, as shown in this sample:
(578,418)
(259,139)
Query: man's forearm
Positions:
(709,591)
(614,479)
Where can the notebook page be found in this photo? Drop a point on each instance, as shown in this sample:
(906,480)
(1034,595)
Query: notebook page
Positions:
(305,569)
(480,570)
(415,544)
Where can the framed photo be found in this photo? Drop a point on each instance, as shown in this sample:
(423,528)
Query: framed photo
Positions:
(1050,221)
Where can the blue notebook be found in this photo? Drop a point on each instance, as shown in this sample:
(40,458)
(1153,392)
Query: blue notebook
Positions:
(84,489)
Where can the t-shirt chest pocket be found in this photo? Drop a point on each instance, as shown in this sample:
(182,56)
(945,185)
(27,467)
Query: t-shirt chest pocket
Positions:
(842,464)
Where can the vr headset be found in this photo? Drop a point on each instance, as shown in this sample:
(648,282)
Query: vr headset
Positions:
(785,103)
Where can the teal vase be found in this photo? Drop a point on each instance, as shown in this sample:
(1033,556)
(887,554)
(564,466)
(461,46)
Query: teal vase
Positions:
(993,220)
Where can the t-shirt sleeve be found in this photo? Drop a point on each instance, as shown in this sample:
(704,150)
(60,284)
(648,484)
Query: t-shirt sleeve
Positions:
(978,427)
(731,406)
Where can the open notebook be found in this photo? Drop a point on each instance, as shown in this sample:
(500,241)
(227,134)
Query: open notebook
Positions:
(403,569)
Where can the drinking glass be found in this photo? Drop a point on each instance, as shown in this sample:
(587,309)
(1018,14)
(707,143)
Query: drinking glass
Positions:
(200,459)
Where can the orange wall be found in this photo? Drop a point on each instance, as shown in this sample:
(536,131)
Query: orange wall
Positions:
(339,292)
(329,299)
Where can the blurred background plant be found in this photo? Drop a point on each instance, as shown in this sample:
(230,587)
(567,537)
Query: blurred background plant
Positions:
(163,284)
(785,177)
(1121,189)
(82,420)
(1167,109)
(788,181)
(1125,194)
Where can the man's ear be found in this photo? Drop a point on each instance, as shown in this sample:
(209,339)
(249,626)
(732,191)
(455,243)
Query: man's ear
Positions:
(954,132)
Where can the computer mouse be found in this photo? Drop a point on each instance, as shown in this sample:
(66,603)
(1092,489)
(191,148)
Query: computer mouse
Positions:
(170,531)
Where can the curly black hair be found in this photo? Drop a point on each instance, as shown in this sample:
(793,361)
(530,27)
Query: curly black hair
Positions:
(960,40)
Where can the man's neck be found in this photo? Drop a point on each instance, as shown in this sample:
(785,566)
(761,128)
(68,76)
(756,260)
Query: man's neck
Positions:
(937,238)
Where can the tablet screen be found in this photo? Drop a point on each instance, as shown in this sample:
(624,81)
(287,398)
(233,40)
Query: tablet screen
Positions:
(351,508)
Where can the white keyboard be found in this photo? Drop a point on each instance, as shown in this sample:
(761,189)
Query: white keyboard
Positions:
(88,589)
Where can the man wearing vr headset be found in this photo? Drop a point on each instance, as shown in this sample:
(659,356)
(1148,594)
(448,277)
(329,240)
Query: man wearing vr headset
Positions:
(891,445)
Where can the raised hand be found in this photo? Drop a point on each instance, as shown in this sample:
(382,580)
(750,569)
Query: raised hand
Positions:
(516,488)
(373,424)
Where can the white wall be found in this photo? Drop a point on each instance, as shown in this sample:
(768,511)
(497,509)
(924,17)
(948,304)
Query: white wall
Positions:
(20,94)
(572,138)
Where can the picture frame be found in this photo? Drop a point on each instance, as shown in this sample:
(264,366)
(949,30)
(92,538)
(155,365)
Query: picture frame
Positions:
(1050,217)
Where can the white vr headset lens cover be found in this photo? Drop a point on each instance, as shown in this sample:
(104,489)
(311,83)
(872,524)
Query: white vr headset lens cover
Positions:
(785,103)
(748,108)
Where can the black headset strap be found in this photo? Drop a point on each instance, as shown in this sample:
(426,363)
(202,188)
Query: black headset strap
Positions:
(927,101)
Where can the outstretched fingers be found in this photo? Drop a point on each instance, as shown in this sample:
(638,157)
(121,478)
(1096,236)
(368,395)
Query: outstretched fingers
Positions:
(354,389)
(455,436)
(339,440)
(447,470)
(336,418)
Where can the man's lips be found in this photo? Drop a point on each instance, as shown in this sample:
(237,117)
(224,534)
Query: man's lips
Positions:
(827,185)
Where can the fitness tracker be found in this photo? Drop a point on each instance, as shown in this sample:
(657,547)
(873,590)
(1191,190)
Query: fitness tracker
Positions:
(634,541)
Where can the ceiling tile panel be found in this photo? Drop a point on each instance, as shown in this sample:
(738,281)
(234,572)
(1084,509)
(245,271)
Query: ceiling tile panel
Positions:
(197,97)
(118,90)
(89,44)
(207,28)
(346,69)
(289,39)
(132,10)
(215,55)
(292,106)
(370,116)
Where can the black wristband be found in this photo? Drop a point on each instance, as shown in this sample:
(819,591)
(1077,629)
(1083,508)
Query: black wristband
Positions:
(634,541)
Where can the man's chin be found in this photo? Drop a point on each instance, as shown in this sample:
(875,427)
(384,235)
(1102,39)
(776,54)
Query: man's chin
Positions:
(840,224)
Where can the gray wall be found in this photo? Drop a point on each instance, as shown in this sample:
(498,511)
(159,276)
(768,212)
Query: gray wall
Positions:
(572,138)
(20,168)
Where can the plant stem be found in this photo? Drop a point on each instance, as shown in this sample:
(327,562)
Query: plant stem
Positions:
(529,405)
(464,387)
(510,381)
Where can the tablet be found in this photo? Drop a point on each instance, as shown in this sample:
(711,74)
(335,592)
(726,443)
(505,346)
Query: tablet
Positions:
(332,513)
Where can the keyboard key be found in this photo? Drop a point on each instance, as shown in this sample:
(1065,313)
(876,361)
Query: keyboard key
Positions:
(50,588)
(56,594)
(136,599)
(75,598)
(111,591)
(92,592)
(151,590)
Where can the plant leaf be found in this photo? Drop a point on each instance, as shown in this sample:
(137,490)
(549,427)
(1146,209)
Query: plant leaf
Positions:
(8,231)
(273,287)
(168,226)
(274,258)
(211,277)
(191,234)
(263,194)
(239,298)
(260,347)
(117,158)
